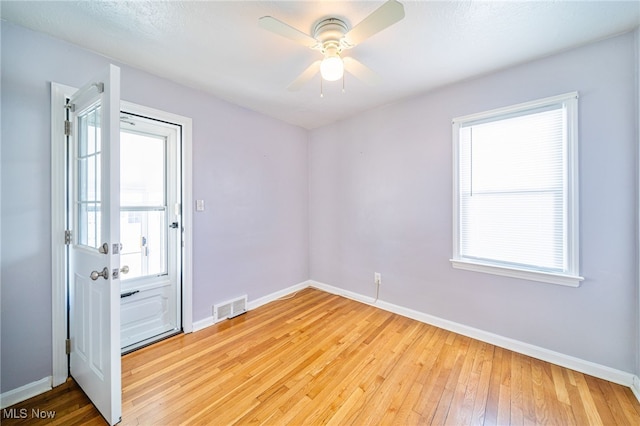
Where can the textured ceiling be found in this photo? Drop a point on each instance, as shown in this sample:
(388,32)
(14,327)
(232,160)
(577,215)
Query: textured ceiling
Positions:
(218,47)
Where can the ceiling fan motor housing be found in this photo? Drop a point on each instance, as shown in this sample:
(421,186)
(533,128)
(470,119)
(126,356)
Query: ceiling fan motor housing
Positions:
(329,32)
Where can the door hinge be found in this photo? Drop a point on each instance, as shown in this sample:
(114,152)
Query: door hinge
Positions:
(67,128)
(67,237)
(67,346)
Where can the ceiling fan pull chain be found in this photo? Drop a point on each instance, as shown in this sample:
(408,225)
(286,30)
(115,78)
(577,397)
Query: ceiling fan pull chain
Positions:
(321,94)
(342,82)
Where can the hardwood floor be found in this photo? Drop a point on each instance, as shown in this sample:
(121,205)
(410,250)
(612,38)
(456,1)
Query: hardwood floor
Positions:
(318,358)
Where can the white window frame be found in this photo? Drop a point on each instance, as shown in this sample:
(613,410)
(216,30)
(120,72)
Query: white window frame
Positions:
(571,277)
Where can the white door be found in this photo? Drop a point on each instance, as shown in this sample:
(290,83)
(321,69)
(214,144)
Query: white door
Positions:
(94,260)
(150,229)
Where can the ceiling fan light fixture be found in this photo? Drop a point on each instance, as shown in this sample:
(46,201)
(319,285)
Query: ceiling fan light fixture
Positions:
(332,35)
(332,68)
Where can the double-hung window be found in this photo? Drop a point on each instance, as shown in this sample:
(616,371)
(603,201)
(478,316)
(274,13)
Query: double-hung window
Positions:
(515,200)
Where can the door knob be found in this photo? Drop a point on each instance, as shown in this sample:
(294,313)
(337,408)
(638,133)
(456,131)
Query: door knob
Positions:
(125,269)
(104,274)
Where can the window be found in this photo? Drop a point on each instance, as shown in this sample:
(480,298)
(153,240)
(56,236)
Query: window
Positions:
(516,191)
(88,199)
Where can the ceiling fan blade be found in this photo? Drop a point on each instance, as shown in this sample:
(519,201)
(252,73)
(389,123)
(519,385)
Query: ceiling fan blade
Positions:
(385,16)
(278,27)
(305,76)
(361,71)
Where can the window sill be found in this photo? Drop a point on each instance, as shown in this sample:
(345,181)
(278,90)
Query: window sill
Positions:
(545,277)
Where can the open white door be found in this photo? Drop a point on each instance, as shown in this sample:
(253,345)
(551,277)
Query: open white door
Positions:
(94,197)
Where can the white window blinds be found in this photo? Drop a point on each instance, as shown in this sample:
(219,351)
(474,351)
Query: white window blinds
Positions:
(514,195)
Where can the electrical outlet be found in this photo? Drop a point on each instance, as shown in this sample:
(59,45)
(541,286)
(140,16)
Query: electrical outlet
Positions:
(377,278)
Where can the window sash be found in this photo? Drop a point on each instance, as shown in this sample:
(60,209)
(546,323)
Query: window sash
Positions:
(526,225)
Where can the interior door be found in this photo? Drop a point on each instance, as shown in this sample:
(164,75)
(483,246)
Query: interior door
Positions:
(94,307)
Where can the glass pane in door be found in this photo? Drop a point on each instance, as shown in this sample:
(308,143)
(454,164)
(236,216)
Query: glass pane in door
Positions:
(87,198)
(143,242)
(142,170)
(143,215)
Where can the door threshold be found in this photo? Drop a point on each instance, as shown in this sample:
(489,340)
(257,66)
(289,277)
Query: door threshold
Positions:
(150,341)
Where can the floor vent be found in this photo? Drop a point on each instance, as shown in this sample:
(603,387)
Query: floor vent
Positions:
(230,309)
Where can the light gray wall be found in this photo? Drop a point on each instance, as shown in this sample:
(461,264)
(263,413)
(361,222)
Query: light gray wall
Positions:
(380,200)
(251,171)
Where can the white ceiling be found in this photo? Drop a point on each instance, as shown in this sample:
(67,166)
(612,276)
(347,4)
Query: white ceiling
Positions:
(218,47)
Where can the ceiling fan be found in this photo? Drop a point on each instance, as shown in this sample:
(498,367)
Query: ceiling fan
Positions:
(331,36)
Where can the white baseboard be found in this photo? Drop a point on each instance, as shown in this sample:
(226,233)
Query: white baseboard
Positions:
(635,388)
(203,323)
(577,364)
(253,304)
(25,392)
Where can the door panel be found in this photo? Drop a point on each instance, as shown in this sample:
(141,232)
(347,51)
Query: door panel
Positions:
(94,314)
(148,313)
(150,230)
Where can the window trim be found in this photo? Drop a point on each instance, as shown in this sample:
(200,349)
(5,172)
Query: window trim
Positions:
(571,277)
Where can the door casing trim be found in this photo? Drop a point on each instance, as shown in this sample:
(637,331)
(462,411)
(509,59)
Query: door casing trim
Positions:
(59,94)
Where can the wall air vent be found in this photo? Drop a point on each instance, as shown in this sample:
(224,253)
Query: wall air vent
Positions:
(230,309)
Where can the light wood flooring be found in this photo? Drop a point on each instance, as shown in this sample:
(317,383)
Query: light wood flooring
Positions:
(318,358)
